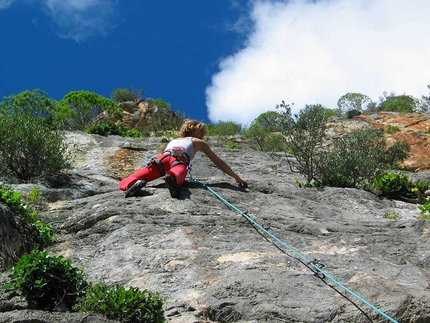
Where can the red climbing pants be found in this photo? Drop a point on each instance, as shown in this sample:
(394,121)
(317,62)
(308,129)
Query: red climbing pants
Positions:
(151,172)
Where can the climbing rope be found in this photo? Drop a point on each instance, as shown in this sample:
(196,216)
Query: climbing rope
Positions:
(314,265)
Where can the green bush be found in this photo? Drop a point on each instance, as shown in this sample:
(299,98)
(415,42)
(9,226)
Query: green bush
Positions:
(125,305)
(110,128)
(47,282)
(392,185)
(398,103)
(230,144)
(15,202)
(392,129)
(265,132)
(86,106)
(30,148)
(36,103)
(223,128)
(163,118)
(356,158)
(425,208)
(391,216)
(123,95)
(352,104)
(305,135)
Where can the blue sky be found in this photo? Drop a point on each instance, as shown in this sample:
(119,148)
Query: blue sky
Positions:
(228,60)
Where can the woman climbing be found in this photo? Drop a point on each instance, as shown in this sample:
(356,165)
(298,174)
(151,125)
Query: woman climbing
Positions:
(172,164)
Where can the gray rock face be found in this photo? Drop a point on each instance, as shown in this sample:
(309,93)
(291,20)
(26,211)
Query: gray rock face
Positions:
(213,265)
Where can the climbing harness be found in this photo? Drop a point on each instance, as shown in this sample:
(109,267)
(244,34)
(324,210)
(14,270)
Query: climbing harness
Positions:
(314,265)
(177,152)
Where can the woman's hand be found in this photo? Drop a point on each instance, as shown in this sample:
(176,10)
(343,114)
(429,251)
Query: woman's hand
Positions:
(241,182)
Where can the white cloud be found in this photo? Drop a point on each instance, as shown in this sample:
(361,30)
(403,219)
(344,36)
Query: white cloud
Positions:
(307,52)
(77,19)
(6,3)
(80,19)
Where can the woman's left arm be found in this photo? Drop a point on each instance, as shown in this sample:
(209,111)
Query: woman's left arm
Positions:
(204,147)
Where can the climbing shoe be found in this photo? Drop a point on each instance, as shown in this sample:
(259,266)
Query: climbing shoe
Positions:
(173,187)
(135,188)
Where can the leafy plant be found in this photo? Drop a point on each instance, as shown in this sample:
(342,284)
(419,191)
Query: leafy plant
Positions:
(353,102)
(16,203)
(36,104)
(392,216)
(265,132)
(392,129)
(232,145)
(163,117)
(392,185)
(398,103)
(305,134)
(356,157)
(126,305)
(30,148)
(47,282)
(86,106)
(123,95)
(109,128)
(425,208)
(223,128)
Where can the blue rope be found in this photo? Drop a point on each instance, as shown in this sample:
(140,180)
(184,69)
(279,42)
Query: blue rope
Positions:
(304,259)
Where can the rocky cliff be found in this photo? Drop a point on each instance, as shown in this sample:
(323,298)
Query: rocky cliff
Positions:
(207,258)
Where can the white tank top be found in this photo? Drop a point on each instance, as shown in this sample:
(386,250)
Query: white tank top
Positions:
(186,144)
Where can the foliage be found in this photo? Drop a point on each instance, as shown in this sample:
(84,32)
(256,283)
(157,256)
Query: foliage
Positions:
(221,132)
(352,113)
(265,132)
(36,104)
(46,282)
(223,128)
(398,103)
(305,134)
(29,148)
(392,129)
(230,144)
(50,283)
(424,105)
(164,118)
(392,185)
(123,95)
(15,202)
(356,157)
(425,208)
(353,102)
(392,216)
(125,305)
(86,106)
(109,128)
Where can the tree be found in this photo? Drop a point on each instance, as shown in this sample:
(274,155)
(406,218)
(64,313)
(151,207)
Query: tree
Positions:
(223,128)
(305,134)
(86,106)
(265,132)
(36,103)
(163,117)
(353,102)
(424,105)
(398,103)
(123,95)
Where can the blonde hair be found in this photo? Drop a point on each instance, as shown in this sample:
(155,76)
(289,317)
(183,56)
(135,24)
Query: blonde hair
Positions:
(189,126)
